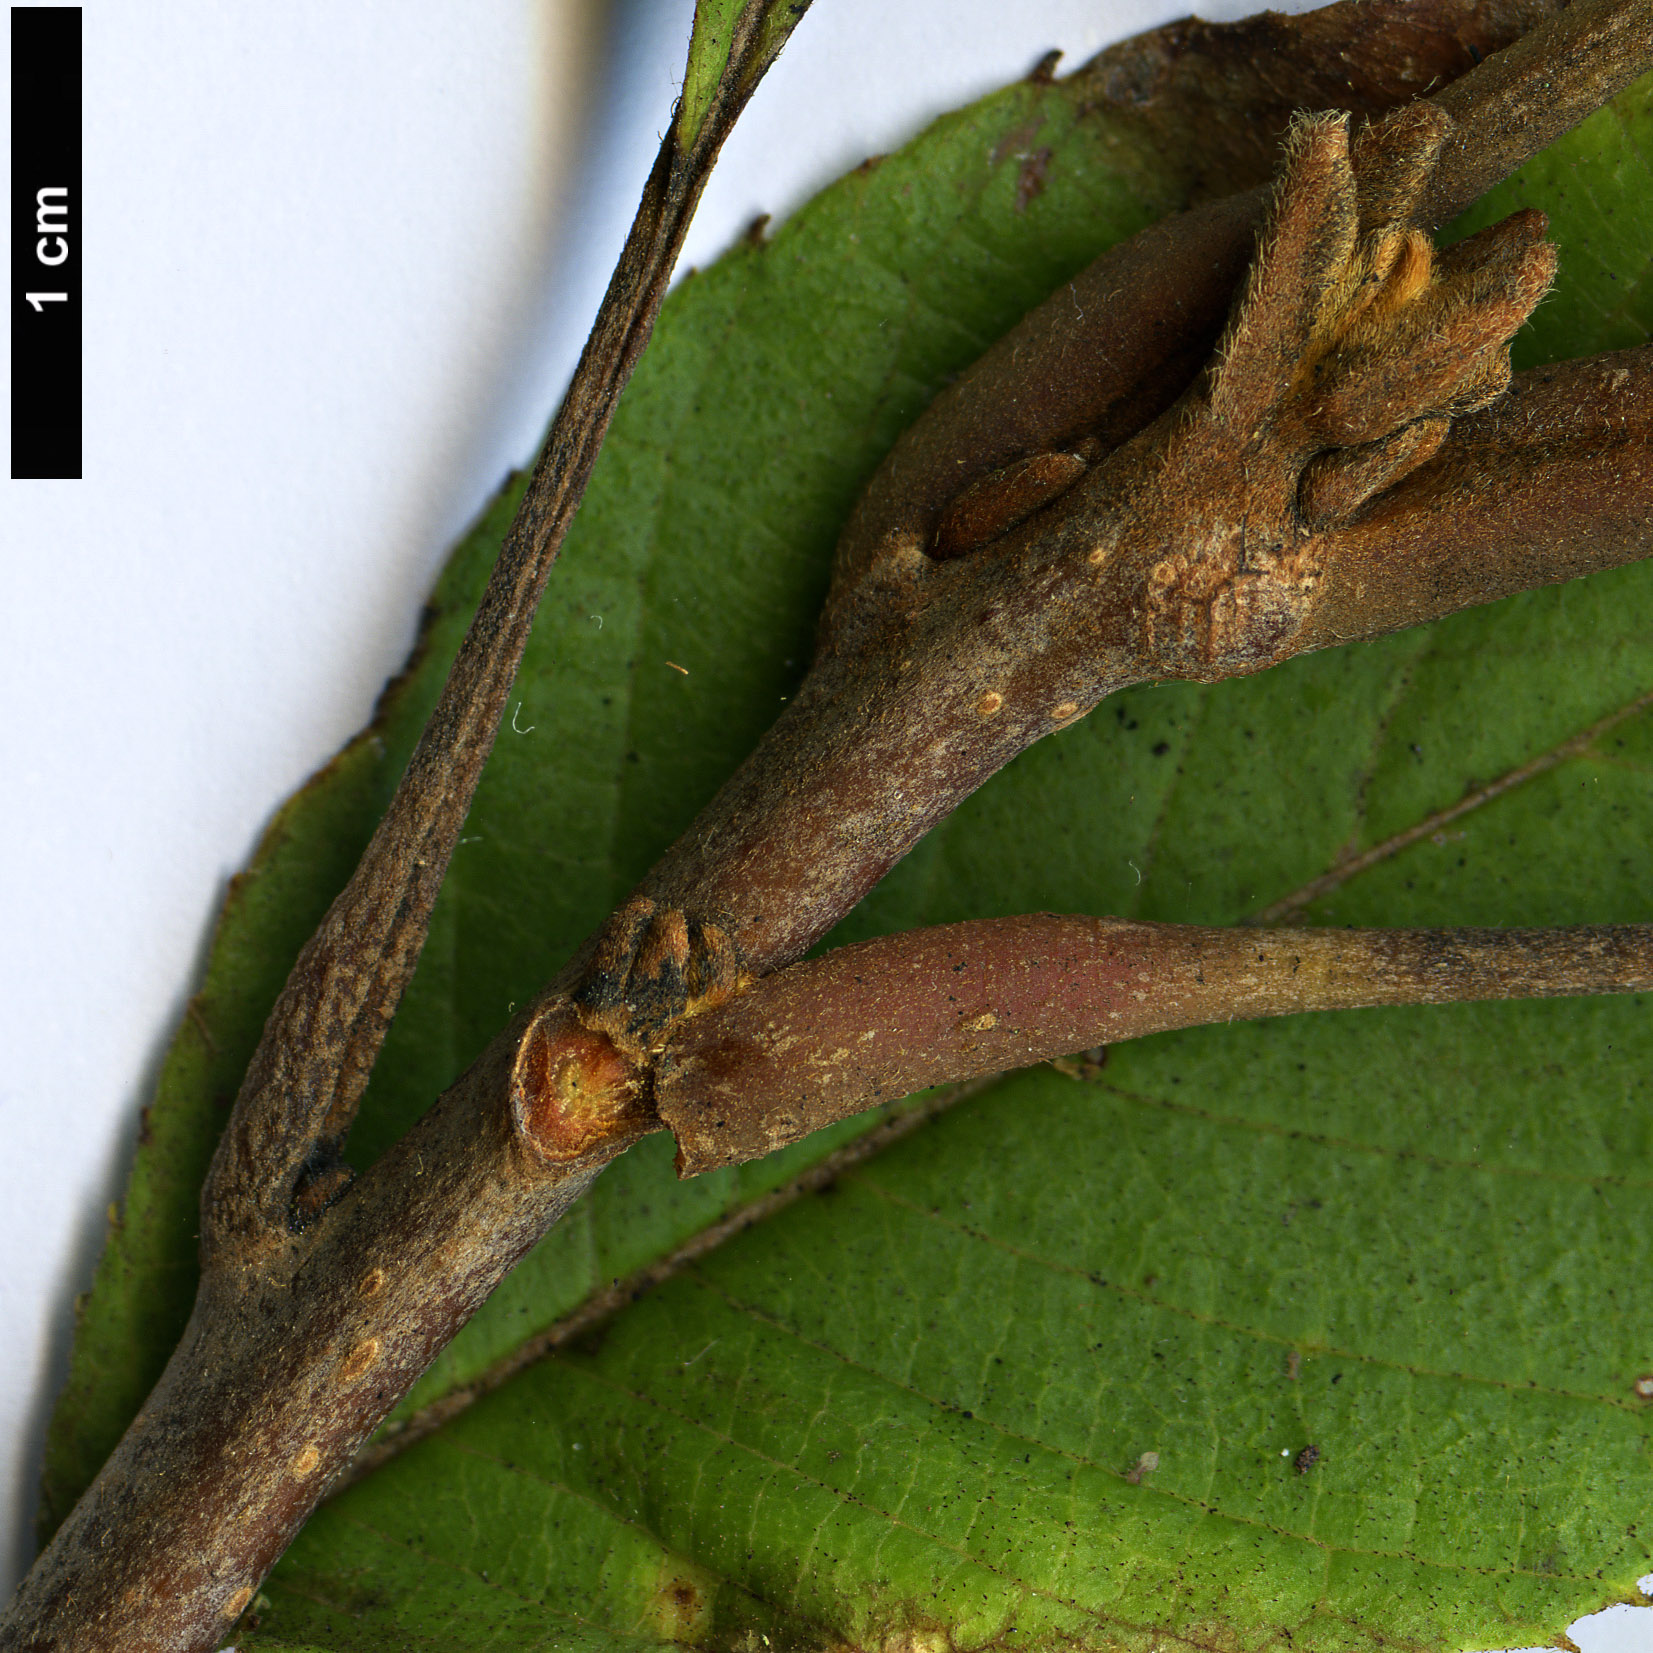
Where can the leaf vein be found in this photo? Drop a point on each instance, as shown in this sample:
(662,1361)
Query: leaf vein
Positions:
(1137,1295)
(602,1380)
(1290,906)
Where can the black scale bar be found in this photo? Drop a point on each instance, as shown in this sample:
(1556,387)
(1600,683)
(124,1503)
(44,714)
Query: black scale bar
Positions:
(45,241)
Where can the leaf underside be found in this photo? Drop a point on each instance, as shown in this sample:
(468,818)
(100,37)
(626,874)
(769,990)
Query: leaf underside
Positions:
(911,1410)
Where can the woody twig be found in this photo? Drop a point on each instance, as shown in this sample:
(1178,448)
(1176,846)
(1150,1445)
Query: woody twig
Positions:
(1350,458)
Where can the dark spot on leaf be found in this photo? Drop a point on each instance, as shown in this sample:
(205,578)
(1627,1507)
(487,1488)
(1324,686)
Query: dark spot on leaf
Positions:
(1030,180)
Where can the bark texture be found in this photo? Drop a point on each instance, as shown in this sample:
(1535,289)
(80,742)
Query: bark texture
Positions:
(835,1035)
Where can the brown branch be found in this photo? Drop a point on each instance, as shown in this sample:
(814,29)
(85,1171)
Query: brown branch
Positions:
(282,1374)
(320,1302)
(825,1039)
(1114,347)
(1524,98)
(1553,481)
(1328,479)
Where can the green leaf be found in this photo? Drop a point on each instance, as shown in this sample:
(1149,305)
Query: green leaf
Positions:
(709,47)
(714,26)
(913,1410)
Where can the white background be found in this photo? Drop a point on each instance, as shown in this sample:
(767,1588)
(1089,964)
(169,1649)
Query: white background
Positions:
(339,258)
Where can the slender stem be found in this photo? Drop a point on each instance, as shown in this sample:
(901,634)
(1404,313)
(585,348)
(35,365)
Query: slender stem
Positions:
(322,1037)
(836,1035)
